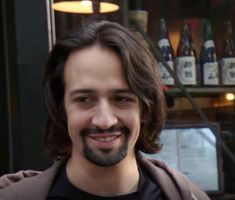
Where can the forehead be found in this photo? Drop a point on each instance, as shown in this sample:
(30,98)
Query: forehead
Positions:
(94,67)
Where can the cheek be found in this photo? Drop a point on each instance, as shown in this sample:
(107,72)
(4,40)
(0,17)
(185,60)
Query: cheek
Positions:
(136,128)
(132,121)
(136,122)
(76,122)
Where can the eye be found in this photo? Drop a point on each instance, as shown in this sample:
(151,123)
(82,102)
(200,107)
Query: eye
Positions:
(82,99)
(122,99)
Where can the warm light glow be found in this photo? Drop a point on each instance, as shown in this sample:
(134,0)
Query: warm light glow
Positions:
(108,7)
(84,7)
(230,96)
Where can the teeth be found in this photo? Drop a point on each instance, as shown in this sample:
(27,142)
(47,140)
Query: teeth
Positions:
(106,139)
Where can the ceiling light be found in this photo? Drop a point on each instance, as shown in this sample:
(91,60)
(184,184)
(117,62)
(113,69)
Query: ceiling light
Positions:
(83,7)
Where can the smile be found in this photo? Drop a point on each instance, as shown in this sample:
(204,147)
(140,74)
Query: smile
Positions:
(105,138)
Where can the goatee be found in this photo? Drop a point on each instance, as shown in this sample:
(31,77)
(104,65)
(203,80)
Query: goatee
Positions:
(106,157)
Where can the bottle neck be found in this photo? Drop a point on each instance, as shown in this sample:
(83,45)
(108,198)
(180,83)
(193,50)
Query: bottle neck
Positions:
(163,33)
(208,44)
(186,35)
(208,33)
(229,46)
(186,46)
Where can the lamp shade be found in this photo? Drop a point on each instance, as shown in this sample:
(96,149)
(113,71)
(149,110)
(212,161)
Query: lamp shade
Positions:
(83,7)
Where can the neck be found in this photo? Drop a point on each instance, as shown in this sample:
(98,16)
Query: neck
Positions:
(123,178)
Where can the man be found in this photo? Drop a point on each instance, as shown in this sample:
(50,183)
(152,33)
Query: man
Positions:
(105,104)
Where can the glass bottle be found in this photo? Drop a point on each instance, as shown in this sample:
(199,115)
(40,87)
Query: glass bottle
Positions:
(186,57)
(228,57)
(165,46)
(137,13)
(208,60)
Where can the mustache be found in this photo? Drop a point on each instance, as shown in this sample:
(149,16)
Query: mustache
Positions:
(91,130)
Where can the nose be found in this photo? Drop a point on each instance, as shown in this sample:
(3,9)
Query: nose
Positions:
(104,116)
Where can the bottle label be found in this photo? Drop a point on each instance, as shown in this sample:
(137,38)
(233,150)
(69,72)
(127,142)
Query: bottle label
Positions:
(228,71)
(210,73)
(209,44)
(186,70)
(163,42)
(167,79)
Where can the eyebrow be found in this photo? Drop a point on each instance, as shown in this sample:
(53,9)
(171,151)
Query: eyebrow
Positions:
(91,91)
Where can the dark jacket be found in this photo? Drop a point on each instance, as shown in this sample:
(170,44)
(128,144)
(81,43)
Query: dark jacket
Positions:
(28,185)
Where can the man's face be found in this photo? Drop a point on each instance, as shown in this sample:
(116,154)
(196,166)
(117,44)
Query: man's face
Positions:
(103,115)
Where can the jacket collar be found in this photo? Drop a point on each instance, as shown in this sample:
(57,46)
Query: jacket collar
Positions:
(173,184)
(38,187)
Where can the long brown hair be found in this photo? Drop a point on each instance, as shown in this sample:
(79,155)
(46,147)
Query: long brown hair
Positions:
(140,70)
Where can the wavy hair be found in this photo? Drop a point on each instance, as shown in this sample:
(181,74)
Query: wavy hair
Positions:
(140,71)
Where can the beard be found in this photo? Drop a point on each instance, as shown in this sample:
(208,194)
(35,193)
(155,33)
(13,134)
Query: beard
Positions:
(105,157)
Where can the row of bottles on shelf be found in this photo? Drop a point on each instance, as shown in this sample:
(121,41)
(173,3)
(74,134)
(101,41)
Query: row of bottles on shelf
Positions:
(205,71)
